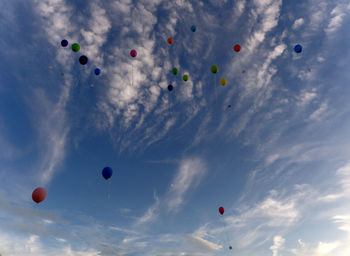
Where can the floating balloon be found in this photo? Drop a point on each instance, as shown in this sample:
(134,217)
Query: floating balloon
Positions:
(185,77)
(229,106)
(193,28)
(97,71)
(83,59)
(223,81)
(39,195)
(221,210)
(62,74)
(298,48)
(214,69)
(175,71)
(230,247)
(64,43)
(107,172)
(170,40)
(133,53)
(170,87)
(75,47)
(237,48)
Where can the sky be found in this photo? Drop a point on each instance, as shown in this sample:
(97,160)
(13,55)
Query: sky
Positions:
(277,159)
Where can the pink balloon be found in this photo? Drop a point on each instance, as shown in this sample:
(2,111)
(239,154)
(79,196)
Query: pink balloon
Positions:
(133,53)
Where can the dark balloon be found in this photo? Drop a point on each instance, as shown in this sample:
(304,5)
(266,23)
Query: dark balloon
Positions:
(237,48)
(97,71)
(64,43)
(133,53)
(230,247)
(229,106)
(298,48)
(214,69)
(193,28)
(107,172)
(83,60)
(39,195)
(221,210)
(170,87)
(175,71)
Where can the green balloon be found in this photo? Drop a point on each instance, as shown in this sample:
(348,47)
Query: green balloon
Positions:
(175,71)
(75,47)
(185,77)
(214,69)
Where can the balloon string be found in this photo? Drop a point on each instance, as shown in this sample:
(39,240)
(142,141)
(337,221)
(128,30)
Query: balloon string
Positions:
(132,74)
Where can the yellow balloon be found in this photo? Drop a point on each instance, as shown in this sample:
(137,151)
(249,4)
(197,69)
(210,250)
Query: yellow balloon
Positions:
(223,81)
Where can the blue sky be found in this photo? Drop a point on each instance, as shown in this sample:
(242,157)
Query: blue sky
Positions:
(278,160)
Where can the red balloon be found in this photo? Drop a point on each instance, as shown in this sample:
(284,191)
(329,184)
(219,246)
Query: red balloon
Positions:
(170,40)
(133,53)
(237,48)
(39,195)
(221,210)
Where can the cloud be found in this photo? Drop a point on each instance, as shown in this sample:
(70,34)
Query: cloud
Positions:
(338,14)
(151,214)
(188,176)
(278,243)
(298,23)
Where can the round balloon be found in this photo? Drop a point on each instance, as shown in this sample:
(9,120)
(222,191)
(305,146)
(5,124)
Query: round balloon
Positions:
(83,59)
(223,81)
(221,210)
(170,40)
(185,77)
(133,53)
(64,43)
(97,71)
(298,48)
(170,87)
(193,28)
(107,172)
(39,195)
(229,106)
(237,48)
(214,69)
(230,247)
(75,47)
(175,71)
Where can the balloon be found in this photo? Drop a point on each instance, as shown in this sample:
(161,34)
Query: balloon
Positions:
(97,71)
(64,43)
(298,48)
(230,247)
(185,77)
(83,59)
(214,69)
(237,48)
(62,74)
(221,210)
(39,195)
(107,172)
(133,53)
(75,47)
(229,106)
(170,40)
(223,81)
(170,87)
(193,28)
(175,71)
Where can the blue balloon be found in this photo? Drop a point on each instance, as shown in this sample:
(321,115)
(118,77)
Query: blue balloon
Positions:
(193,28)
(298,48)
(83,60)
(107,172)
(64,43)
(170,87)
(97,71)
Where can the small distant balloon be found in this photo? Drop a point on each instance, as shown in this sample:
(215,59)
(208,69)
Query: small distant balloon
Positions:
(97,71)
(133,53)
(39,195)
(64,43)
(221,210)
(170,40)
(75,47)
(175,71)
(185,77)
(62,74)
(214,69)
(298,48)
(170,87)
(83,59)
(107,172)
(193,28)
(223,81)
(229,106)
(230,247)
(237,48)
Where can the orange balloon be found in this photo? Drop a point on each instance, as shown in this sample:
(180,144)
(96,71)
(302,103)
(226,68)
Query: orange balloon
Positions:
(39,195)
(170,40)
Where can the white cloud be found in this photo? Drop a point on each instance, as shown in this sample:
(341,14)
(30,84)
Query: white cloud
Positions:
(188,176)
(338,14)
(317,114)
(151,214)
(298,23)
(278,243)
